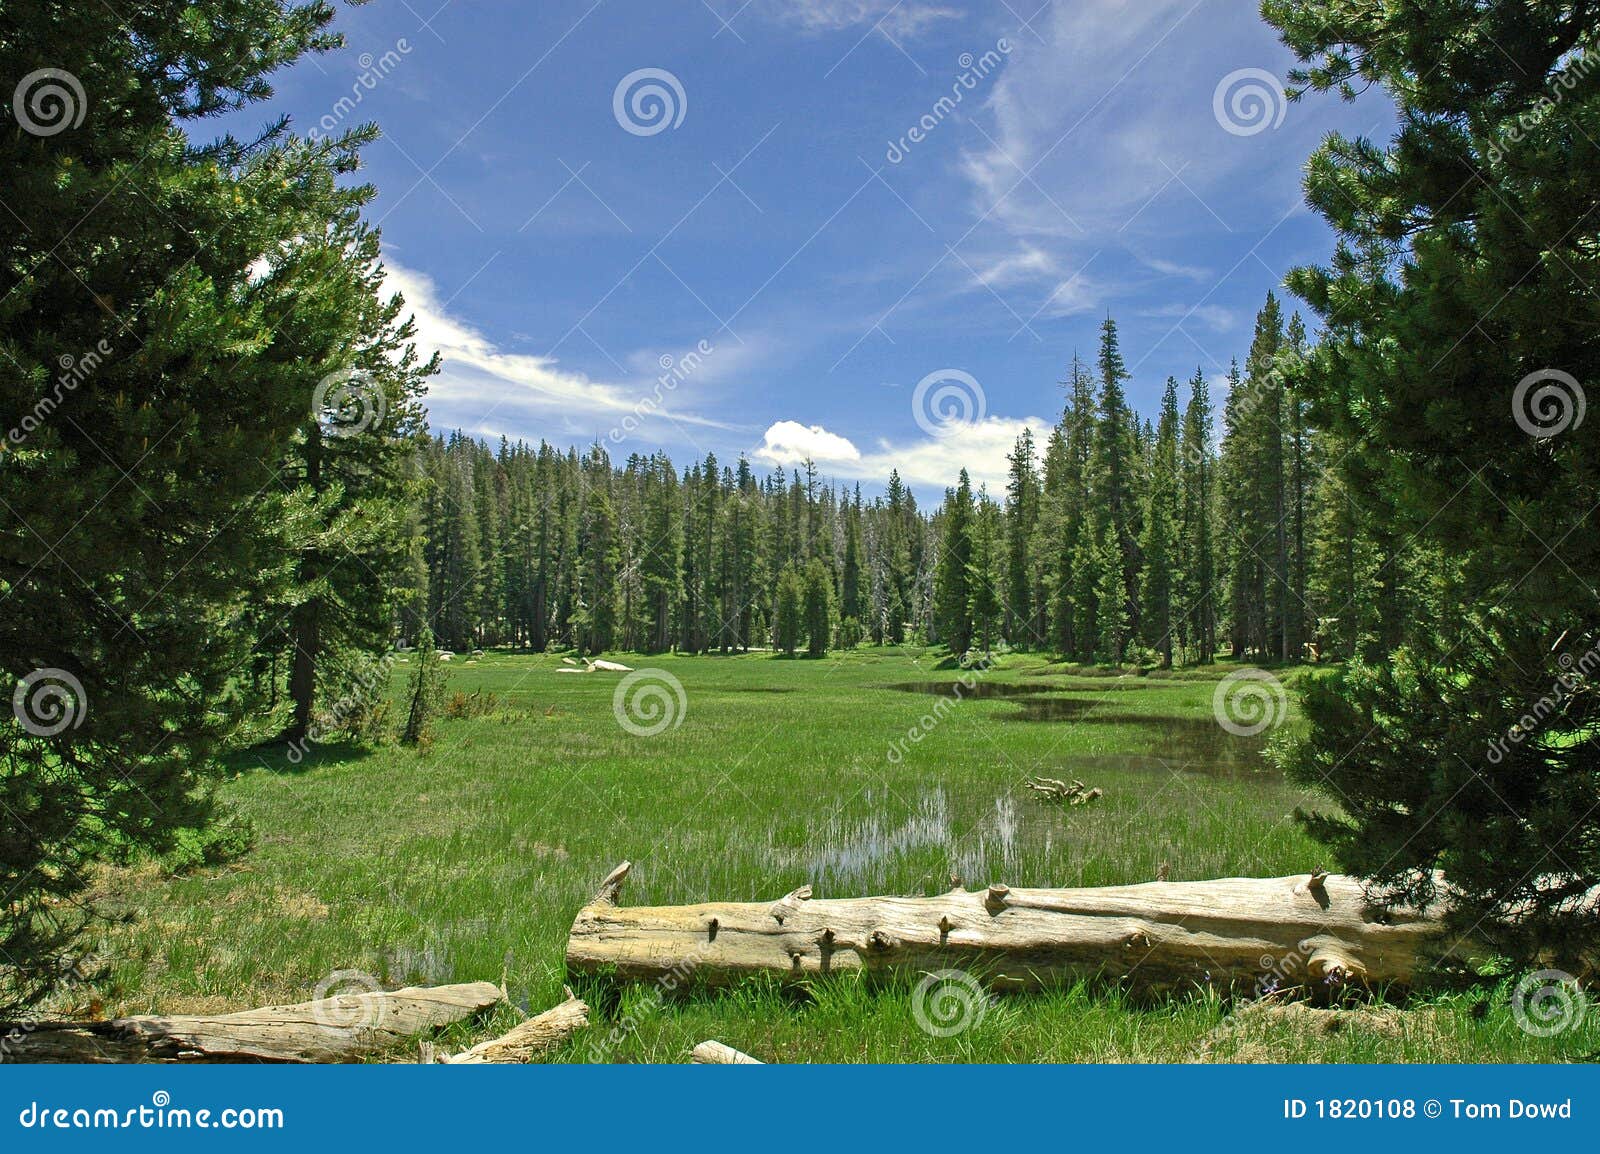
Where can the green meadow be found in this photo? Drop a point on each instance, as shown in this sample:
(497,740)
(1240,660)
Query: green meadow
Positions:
(862,773)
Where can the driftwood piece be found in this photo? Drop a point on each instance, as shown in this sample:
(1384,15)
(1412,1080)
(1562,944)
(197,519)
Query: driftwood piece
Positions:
(1231,931)
(717,1054)
(334,1029)
(1068,793)
(527,1041)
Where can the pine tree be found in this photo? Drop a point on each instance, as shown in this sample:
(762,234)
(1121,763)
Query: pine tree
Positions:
(1112,491)
(1197,573)
(1021,519)
(986,573)
(145,472)
(953,588)
(790,613)
(818,608)
(1159,545)
(1463,247)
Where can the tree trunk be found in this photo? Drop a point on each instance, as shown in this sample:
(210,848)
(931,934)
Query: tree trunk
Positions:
(717,1054)
(305,621)
(1315,930)
(536,1036)
(333,1029)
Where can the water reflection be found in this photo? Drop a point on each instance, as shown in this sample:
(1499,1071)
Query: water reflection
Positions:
(1192,745)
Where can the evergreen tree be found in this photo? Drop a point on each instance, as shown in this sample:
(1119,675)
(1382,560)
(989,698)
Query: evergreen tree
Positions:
(1021,519)
(818,608)
(986,572)
(1112,488)
(1197,572)
(790,615)
(1464,249)
(157,536)
(1161,530)
(953,590)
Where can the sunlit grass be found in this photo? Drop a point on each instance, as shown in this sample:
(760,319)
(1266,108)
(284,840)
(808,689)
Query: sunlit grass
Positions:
(470,861)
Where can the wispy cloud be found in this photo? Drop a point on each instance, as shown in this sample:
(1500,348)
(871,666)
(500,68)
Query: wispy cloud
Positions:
(484,388)
(902,18)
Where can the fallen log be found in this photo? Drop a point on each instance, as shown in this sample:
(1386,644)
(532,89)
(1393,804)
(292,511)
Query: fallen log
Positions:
(335,1029)
(717,1054)
(1312,930)
(527,1041)
(1053,789)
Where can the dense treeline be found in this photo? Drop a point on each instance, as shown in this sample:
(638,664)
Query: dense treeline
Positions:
(540,547)
(1116,540)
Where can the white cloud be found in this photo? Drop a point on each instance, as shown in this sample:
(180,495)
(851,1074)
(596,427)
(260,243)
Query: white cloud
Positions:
(1028,263)
(1212,316)
(790,443)
(930,462)
(484,388)
(897,19)
(1104,137)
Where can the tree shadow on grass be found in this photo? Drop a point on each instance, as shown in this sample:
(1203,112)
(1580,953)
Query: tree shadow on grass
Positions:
(288,758)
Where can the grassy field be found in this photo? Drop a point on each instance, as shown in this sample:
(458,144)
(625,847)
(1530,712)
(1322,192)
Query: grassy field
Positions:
(469,861)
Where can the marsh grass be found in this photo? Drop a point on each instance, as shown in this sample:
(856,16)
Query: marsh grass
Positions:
(468,861)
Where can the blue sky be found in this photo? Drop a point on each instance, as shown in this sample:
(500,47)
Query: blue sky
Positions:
(782,217)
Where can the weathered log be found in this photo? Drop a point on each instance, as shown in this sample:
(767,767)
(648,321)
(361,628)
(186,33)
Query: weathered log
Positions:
(717,1054)
(1053,789)
(334,1029)
(1305,930)
(527,1041)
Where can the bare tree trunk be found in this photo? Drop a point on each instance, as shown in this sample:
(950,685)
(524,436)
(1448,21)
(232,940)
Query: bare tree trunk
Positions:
(333,1029)
(1316,930)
